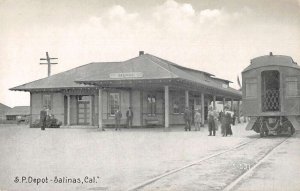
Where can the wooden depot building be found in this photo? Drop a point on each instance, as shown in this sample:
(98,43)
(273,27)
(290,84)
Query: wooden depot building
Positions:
(156,89)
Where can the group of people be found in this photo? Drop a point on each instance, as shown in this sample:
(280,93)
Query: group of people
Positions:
(118,117)
(47,119)
(226,118)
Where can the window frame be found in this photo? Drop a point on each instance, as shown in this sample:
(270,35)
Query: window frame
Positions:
(251,81)
(44,103)
(180,98)
(292,79)
(109,102)
(151,105)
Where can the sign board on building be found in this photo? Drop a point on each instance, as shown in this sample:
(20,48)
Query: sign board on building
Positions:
(224,85)
(126,75)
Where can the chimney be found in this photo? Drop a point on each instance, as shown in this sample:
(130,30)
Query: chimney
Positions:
(141,53)
(271,54)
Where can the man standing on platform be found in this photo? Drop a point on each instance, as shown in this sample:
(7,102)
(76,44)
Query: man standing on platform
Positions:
(211,121)
(118,116)
(187,119)
(43,118)
(129,115)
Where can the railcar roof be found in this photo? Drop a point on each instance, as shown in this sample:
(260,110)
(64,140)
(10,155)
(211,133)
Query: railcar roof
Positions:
(272,60)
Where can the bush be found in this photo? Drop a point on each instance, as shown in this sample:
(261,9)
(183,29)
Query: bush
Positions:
(51,122)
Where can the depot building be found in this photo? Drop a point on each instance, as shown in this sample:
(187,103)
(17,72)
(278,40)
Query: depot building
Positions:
(156,89)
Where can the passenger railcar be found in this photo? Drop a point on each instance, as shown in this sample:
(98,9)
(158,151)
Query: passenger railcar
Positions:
(271,95)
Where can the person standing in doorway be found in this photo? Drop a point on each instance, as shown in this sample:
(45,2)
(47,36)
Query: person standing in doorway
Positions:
(211,121)
(118,116)
(129,116)
(187,119)
(197,120)
(43,118)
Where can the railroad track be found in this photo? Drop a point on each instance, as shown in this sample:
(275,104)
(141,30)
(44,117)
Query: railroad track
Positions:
(267,145)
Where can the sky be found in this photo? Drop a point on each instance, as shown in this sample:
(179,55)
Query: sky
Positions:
(215,36)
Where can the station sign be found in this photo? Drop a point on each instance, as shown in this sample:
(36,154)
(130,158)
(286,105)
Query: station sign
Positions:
(127,75)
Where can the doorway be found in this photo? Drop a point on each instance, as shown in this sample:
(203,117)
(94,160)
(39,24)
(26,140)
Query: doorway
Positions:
(270,90)
(83,112)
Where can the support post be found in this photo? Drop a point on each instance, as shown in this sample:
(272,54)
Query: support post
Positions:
(91,110)
(186,98)
(214,102)
(238,111)
(224,101)
(231,105)
(69,110)
(30,119)
(202,109)
(166,107)
(100,124)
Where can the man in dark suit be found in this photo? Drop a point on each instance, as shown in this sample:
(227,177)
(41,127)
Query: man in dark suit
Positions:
(187,119)
(129,115)
(118,117)
(43,117)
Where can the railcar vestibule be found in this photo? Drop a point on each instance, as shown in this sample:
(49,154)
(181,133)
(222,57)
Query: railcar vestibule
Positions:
(270,90)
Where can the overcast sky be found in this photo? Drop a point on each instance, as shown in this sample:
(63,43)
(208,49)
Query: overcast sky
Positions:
(216,36)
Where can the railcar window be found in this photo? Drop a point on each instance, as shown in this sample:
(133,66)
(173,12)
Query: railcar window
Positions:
(292,86)
(251,88)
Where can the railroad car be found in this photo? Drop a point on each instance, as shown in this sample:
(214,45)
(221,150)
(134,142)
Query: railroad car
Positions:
(271,95)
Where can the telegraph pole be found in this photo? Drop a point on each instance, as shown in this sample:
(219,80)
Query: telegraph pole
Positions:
(48,59)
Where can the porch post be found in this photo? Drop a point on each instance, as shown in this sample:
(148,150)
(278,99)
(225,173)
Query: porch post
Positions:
(166,107)
(186,98)
(224,100)
(100,110)
(202,109)
(238,111)
(231,104)
(69,110)
(214,102)
(91,110)
(30,119)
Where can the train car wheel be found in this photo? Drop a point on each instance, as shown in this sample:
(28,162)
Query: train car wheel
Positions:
(266,133)
(261,131)
(293,130)
(287,125)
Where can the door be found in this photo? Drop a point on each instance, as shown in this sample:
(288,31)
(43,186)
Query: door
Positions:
(83,112)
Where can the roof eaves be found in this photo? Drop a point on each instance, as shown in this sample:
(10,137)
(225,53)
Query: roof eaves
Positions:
(181,67)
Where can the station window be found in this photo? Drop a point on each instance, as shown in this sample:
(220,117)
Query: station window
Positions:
(178,103)
(251,88)
(292,86)
(113,103)
(151,105)
(47,101)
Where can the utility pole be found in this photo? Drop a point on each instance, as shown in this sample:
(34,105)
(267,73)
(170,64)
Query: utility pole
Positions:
(48,59)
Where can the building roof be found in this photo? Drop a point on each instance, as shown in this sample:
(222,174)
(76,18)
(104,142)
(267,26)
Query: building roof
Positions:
(272,60)
(19,110)
(151,67)
(3,107)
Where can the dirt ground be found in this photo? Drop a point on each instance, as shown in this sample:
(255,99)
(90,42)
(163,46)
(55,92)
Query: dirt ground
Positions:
(87,159)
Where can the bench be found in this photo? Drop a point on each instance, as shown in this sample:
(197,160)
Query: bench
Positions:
(112,122)
(151,121)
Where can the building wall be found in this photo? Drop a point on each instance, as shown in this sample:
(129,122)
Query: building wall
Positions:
(58,106)
(36,106)
(73,110)
(136,107)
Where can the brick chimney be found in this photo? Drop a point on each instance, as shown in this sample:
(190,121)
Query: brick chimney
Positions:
(141,53)
(271,53)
